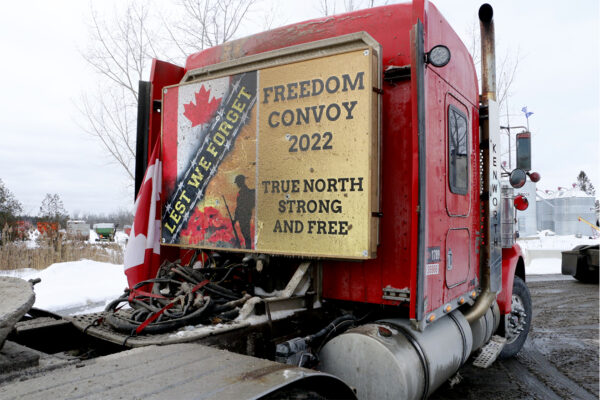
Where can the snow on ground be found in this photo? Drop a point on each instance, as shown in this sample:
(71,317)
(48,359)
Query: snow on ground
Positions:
(121,237)
(31,241)
(78,286)
(93,236)
(87,286)
(547,240)
(544,265)
(543,251)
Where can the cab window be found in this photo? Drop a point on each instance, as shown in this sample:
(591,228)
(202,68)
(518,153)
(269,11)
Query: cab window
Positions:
(458,151)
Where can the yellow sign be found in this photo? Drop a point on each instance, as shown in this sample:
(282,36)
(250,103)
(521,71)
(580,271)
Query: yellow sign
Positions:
(310,126)
(314,156)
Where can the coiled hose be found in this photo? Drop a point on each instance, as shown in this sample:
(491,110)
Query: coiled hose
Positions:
(180,296)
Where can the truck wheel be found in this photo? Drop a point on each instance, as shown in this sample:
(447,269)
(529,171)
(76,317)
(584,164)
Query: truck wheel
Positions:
(586,275)
(583,273)
(519,319)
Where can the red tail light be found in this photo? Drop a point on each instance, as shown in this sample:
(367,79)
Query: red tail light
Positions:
(521,202)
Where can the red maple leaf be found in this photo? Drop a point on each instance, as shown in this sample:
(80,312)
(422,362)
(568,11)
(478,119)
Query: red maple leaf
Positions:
(201,112)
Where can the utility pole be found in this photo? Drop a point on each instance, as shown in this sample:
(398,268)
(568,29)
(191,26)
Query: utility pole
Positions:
(509,146)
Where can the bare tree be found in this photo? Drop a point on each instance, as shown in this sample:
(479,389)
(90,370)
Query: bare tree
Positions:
(122,48)
(121,51)
(53,210)
(328,7)
(207,23)
(507,65)
(109,116)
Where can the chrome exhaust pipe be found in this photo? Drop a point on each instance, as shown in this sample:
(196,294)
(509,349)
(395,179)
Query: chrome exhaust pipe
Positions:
(488,93)
(488,53)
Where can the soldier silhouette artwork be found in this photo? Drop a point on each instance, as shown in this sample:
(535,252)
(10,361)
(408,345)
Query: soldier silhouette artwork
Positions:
(243,209)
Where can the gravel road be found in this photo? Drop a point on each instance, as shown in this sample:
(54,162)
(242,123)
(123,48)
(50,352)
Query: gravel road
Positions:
(560,357)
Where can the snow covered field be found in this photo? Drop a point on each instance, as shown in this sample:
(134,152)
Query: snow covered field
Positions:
(87,286)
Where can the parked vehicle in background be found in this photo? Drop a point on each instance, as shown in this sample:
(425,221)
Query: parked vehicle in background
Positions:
(48,228)
(105,231)
(77,229)
(582,263)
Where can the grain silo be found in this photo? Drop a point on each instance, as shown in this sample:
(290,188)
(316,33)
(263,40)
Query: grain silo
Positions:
(527,219)
(544,211)
(569,206)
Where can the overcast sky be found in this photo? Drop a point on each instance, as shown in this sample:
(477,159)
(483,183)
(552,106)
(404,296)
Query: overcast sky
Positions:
(42,75)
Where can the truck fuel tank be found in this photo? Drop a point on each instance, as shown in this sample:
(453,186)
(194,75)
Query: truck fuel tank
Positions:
(389,360)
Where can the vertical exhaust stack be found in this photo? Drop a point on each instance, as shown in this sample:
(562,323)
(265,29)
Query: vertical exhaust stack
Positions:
(488,54)
(491,252)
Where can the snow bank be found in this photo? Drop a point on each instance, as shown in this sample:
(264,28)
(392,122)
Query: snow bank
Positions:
(543,252)
(121,237)
(562,192)
(540,266)
(93,236)
(547,240)
(75,285)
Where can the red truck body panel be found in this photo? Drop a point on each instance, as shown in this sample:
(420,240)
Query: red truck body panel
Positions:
(452,221)
(512,264)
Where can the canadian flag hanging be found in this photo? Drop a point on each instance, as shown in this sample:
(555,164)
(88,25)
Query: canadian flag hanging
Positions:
(142,255)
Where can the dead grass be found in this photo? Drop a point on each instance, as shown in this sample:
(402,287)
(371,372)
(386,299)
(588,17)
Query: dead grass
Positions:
(16,255)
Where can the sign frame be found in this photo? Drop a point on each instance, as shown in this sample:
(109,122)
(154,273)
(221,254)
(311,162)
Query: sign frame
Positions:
(360,41)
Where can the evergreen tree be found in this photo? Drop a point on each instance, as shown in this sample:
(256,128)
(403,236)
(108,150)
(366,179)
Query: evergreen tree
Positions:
(9,206)
(584,183)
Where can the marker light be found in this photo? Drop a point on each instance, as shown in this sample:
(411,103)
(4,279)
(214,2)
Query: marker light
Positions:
(521,202)
(534,176)
(438,56)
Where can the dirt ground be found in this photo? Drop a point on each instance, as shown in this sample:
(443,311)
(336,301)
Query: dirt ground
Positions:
(560,357)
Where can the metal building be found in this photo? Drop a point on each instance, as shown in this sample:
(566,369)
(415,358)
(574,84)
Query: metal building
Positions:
(560,212)
(527,220)
(544,212)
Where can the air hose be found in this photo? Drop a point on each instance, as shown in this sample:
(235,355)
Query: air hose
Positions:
(179,296)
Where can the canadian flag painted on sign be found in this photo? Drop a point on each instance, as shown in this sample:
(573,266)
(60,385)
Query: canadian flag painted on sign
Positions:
(142,255)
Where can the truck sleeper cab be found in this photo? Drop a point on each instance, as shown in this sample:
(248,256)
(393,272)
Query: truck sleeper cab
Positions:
(434,261)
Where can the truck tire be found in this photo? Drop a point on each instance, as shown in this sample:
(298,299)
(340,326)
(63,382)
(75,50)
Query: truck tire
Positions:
(586,275)
(518,321)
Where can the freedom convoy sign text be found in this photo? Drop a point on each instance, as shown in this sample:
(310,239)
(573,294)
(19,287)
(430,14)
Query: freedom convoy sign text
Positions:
(280,160)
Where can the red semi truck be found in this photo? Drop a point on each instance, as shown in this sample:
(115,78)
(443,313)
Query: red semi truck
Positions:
(332,191)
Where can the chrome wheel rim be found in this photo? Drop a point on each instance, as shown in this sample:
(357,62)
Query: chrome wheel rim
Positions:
(517,319)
